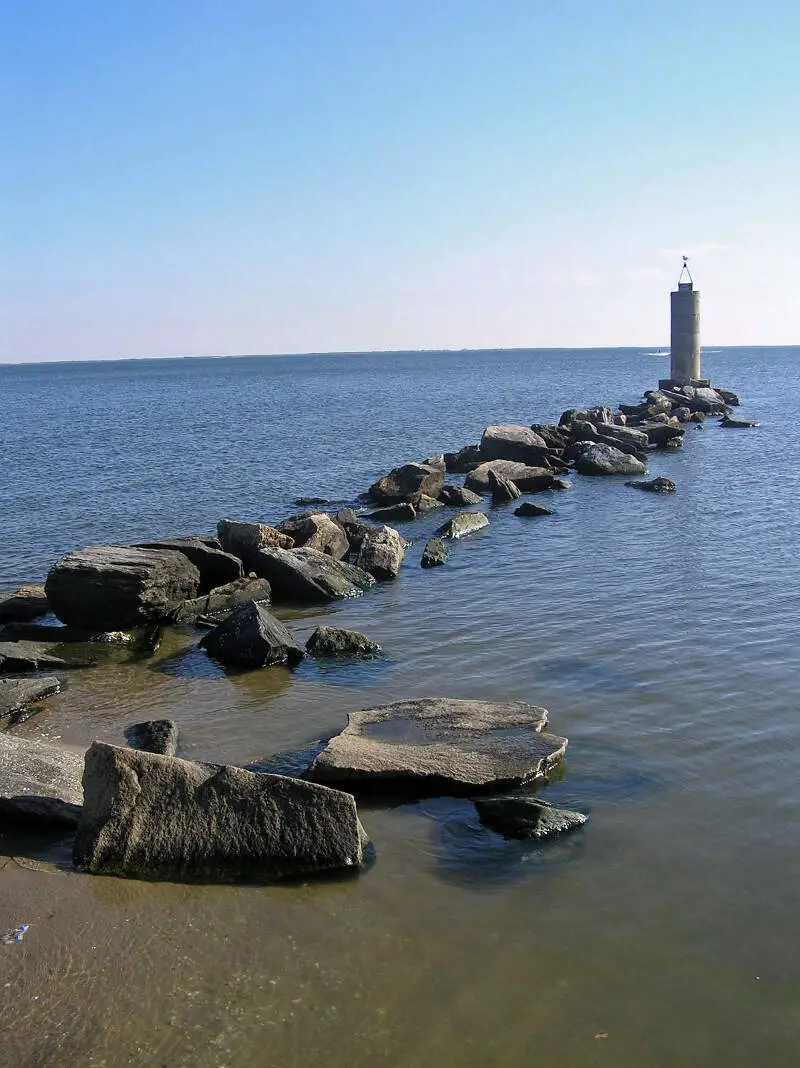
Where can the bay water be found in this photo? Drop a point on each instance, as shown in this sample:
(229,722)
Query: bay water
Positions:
(660,632)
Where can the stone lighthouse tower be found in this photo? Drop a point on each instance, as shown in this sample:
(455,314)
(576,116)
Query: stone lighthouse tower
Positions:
(684,330)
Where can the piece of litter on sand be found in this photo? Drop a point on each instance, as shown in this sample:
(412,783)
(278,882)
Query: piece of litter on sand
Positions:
(16,935)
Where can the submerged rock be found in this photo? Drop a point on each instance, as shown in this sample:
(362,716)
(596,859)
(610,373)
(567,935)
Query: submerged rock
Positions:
(600,459)
(528,508)
(24,604)
(459,496)
(110,587)
(521,816)
(527,479)
(39,782)
(335,641)
(463,524)
(405,481)
(382,553)
(434,554)
(655,485)
(309,576)
(440,745)
(251,637)
(157,817)
(154,736)
(18,694)
(737,424)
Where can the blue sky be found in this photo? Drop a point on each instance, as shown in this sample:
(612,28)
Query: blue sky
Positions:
(205,177)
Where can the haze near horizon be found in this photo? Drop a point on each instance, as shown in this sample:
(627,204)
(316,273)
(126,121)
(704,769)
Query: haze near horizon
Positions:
(209,178)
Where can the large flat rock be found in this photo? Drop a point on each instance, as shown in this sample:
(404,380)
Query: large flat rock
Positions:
(525,478)
(307,575)
(440,745)
(39,783)
(17,694)
(151,816)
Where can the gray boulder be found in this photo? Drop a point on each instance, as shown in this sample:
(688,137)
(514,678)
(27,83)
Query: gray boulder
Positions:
(382,553)
(600,459)
(729,397)
(246,539)
(251,637)
(335,641)
(625,435)
(655,485)
(405,481)
(595,415)
(528,508)
(737,424)
(39,782)
(511,441)
(18,694)
(154,736)
(434,554)
(425,504)
(216,567)
(157,817)
(458,496)
(223,600)
(502,489)
(24,604)
(310,576)
(463,524)
(111,587)
(355,529)
(437,460)
(552,435)
(527,479)
(660,434)
(523,816)
(317,531)
(440,745)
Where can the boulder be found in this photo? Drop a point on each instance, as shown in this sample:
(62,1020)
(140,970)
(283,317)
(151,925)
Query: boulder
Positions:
(502,489)
(463,524)
(527,479)
(317,531)
(658,434)
(18,694)
(310,576)
(581,430)
(246,539)
(335,641)
(401,512)
(306,502)
(434,554)
(524,816)
(39,782)
(28,656)
(625,435)
(553,436)
(425,504)
(511,441)
(603,459)
(440,745)
(736,424)
(657,402)
(437,460)
(382,553)
(153,736)
(594,415)
(683,415)
(251,637)
(355,529)
(24,604)
(158,817)
(466,459)
(655,485)
(403,482)
(216,567)
(729,397)
(458,496)
(528,508)
(110,587)
(223,600)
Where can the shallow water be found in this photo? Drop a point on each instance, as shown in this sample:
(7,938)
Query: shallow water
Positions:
(659,632)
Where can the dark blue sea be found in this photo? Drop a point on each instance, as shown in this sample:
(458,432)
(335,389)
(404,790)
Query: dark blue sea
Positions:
(660,632)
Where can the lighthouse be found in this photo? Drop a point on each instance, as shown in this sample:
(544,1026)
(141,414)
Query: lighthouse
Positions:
(684,305)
